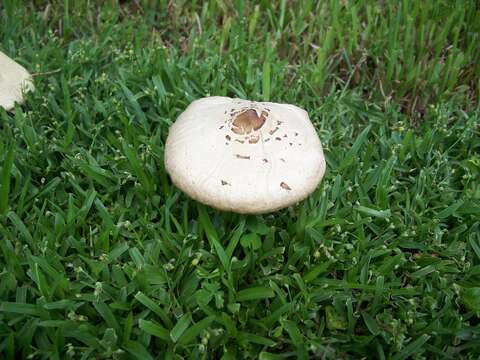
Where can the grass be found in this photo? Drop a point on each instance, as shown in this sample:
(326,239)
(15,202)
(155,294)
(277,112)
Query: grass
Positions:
(101,257)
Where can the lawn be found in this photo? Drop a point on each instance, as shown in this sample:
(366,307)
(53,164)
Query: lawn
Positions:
(101,257)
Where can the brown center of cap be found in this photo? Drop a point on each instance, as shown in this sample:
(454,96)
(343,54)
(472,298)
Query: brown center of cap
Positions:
(248,121)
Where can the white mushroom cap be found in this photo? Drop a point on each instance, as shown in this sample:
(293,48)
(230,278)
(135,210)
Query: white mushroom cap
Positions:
(244,156)
(14,81)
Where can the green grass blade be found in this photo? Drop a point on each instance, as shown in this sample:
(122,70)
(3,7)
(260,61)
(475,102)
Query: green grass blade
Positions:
(149,303)
(137,350)
(212,236)
(411,348)
(254,293)
(192,332)
(154,329)
(5,179)
(180,327)
(352,153)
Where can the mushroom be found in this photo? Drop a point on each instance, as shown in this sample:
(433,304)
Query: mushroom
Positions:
(244,156)
(14,81)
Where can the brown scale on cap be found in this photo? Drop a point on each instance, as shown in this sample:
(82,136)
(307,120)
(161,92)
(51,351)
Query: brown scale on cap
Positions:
(285,186)
(253,139)
(248,121)
(242,157)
